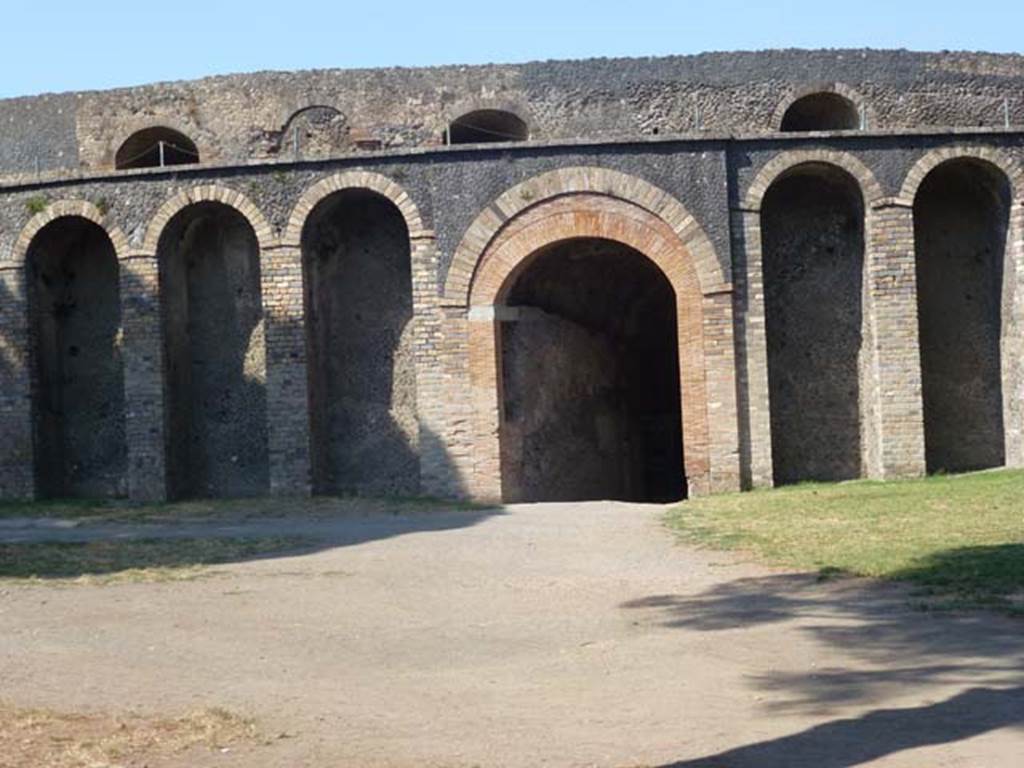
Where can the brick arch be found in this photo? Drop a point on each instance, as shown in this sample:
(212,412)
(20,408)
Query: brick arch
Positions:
(866,111)
(934,158)
(870,189)
(64,209)
(361,180)
(705,358)
(712,276)
(212,193)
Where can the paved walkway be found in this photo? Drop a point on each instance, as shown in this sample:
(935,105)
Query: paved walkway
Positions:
(544,635)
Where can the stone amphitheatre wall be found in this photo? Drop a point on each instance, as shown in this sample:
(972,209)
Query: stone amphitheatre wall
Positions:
(333,299)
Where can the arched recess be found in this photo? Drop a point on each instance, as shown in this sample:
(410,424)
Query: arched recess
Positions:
(564,215)
(312,132)
(208,252)
(157,146)
(823,107)
(71,261)
(966,269)
(356,231)
(813,234)
(485,126)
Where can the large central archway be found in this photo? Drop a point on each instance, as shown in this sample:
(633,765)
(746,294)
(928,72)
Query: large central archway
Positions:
(590,378)
(577,258)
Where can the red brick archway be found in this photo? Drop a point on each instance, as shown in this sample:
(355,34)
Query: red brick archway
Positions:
(592,215)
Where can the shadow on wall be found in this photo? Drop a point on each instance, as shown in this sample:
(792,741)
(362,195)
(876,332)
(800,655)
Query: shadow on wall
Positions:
(892,648)
(214,355)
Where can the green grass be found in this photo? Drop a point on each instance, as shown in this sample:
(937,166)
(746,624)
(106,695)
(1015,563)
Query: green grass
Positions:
(127,512)
(958,539)
(113,561)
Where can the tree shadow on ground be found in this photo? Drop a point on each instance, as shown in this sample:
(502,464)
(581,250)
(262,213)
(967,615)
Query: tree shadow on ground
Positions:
(893,648)
(858,741)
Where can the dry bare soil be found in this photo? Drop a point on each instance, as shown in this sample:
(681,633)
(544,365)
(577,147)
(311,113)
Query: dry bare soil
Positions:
(544,635)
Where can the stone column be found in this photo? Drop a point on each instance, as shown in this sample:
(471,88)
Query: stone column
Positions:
(755,435)
(484,396)
(288,426)
(17,471)
(720,358)
(894,360)
(143,357)
(438,475)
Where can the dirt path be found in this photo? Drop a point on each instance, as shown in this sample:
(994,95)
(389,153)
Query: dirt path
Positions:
(546,635)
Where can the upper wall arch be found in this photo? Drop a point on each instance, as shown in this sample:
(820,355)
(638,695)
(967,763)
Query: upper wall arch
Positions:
(194,133)
(213,193)
(712,276)
(840,89)
(63,209)
(365,180)
(936,157)
(509,104)
(870,189)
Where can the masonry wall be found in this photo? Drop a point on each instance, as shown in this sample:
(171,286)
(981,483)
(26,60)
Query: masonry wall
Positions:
(253,117)
(711,179)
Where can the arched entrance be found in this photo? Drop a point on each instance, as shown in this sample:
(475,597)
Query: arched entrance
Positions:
(78,377)
(636,247)
(590,378)
(961,224)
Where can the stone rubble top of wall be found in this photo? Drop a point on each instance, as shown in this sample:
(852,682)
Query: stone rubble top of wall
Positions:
(712,96)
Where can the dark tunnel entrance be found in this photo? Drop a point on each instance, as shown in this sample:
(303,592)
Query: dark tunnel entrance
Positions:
(215,354)
(812,222)
(590,378)
(961,217)
(78,377)
(359,315)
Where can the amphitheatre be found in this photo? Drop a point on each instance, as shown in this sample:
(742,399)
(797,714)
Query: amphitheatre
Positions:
(639,279)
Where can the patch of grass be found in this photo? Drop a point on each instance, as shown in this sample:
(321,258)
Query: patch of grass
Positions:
(112,561)
(37,204)
(235,509)
(958,539)
(31,738)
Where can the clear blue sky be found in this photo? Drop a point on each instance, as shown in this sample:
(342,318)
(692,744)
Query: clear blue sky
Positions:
(78,45)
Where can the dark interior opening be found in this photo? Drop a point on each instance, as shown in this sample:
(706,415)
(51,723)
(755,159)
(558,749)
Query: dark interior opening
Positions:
(821,112)
(78,378)
(812,223)
(214,354)
(155,148)
(487,125)
(359,316)
(590,378)
(961,217)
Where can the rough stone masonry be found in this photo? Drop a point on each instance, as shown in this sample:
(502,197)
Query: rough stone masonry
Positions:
(637,279)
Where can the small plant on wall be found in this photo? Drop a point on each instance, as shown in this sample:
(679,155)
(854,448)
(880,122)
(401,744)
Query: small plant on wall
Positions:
(36,204)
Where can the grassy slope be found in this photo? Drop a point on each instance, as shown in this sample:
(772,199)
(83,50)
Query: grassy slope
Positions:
(958,537)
